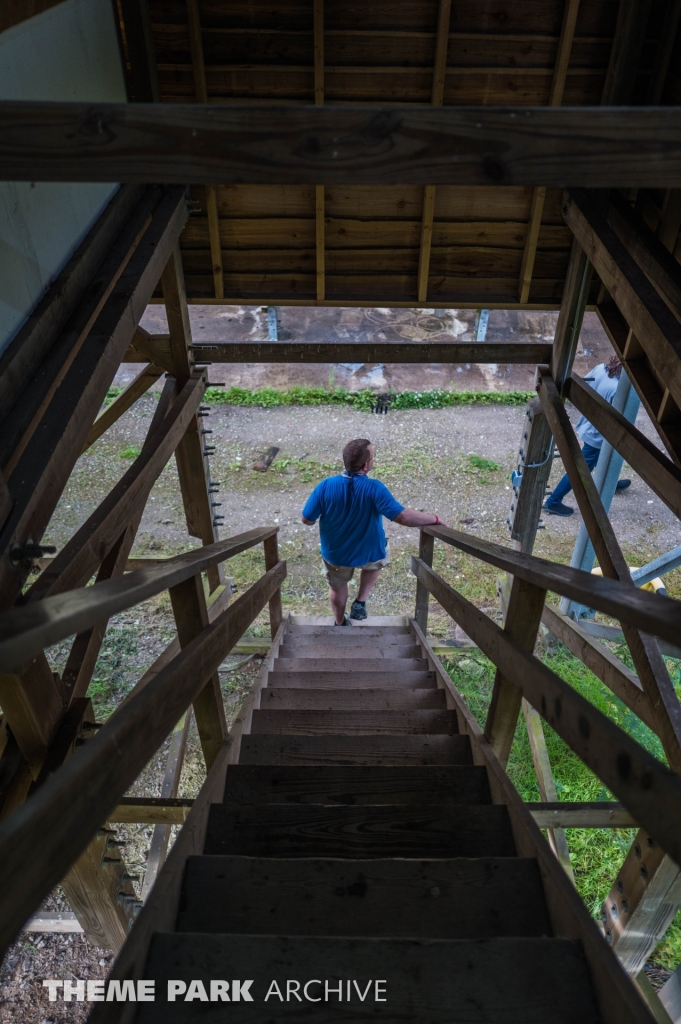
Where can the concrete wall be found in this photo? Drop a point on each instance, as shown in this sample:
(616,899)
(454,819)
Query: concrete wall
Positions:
(69,52)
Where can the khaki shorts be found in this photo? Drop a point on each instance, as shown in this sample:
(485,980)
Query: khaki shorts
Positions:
(337,575)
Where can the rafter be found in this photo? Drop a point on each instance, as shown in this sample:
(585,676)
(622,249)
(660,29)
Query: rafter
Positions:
(320,199)
(560,70)
(437,96)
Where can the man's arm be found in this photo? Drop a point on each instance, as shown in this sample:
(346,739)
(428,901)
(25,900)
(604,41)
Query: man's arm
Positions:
(308,522)
(412,517)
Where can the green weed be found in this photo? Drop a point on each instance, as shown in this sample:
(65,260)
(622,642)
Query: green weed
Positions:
(131,452)
(363,401)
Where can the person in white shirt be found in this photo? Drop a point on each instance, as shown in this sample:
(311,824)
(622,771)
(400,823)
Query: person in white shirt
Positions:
(605,380)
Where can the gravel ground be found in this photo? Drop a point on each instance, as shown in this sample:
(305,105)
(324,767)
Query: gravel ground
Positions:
(423,456)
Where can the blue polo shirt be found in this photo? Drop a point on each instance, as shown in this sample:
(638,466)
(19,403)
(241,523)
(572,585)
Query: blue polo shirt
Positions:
(350,510)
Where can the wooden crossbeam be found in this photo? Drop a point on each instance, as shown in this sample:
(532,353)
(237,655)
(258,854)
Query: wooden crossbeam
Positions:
(370,352)
(590,147)
(437,96)
(29,629)
(659,472)
(62,816)
(120,405)
(200,86)
(46,463)
(655,326)
(645,653)
(560,71)
(588,815)
(647,788)
(140,810)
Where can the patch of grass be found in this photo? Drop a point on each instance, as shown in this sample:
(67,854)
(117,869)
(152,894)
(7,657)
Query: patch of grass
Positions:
(597,854)
(112,393)
(478,462)
(131,452)
(365,400)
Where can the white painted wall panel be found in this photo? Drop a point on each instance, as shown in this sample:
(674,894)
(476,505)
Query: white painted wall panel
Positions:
(69,52)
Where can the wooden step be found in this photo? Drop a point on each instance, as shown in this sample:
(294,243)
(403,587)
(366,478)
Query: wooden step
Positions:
(367,652)
(356,784)
(477,981)
(328,749)
(353,665)
(352,637)
(385,699)
(358,723)
(393,679)
(294,630)
(465,898)
(414,830)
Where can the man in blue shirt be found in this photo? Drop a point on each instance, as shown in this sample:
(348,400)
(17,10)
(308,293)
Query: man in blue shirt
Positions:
(350,508)
(604,379)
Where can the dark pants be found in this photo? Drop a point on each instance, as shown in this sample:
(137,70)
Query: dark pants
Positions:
(564,486)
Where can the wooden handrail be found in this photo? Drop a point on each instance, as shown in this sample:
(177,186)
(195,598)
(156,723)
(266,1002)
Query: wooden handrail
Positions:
(651,613)
(55,825)
(649,790)
(26,631)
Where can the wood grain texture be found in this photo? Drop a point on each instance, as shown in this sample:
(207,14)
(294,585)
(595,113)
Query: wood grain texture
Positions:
(343,664)
(649,612)
(372,352)
(376,679)
(538,980)
(588,147)
(362,750)
(373,652)
(356,784)
(357,723)
(351,699)
(445,899)
(281,830)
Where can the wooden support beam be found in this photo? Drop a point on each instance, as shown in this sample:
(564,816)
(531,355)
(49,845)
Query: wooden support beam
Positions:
(60,333)
(39,624)
(272,559)
(426,548)
(140,810)
(670,219)
(523,615)
(644,245)
(423,352)
(640,372)
(560,70)
(46,463)
(579,147)
(320,217)
(191,617)
(158,849)
(88,547)
(659,472)
(655,326)
(589,815)
(320,241)
(534,465)
(201,89)
(120,405)
(547,786)
(191,454)
(649,663)
(140,66)
(62,816)
(642,903)
(625,55)
(437,96)
(624,683)
(647,788)
(32,707)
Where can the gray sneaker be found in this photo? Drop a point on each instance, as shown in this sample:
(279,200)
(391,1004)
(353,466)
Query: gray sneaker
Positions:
(557,509)
(358,610)
(345,622)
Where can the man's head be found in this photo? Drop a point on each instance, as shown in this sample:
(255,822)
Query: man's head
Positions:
(614,366)
(358,455)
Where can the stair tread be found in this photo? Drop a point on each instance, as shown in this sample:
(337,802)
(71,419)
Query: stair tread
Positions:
(303,830)
(349,664)
(491,981)
(458,898)
(366,652)
(392,679)
(352,639)
(388,699)
(356,784)
(334,749)
(307,722)
(331,630)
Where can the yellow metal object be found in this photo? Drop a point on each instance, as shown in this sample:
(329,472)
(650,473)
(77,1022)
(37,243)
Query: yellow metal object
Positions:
(656,586)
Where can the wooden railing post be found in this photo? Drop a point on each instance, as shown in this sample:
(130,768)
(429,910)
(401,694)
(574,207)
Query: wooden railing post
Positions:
(191,616)
(426,545)
(271,559)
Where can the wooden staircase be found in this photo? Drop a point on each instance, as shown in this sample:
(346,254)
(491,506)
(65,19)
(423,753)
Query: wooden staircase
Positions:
(357,843)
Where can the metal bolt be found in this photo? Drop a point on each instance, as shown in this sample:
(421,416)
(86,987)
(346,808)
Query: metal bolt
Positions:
(115,842)
(92,725)
(216,504)
(130,878)
(111,860)
(206,431)
(26,552)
